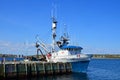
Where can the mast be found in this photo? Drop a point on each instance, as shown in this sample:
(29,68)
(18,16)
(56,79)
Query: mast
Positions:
(54,26)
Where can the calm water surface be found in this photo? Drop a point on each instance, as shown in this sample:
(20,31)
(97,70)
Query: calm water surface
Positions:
(104,69)
(99,69)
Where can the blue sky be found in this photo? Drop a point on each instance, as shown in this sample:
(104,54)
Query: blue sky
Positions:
(93,24)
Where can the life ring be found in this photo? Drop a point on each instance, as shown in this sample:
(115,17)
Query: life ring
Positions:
(49,55)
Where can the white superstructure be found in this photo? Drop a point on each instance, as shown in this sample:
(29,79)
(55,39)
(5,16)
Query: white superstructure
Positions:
(65,53)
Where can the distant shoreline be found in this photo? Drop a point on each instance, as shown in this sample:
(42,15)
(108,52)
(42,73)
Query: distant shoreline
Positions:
(95,56)
(106,56)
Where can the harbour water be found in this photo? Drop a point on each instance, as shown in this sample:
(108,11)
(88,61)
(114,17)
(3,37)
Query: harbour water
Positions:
(104,69)
(99,69)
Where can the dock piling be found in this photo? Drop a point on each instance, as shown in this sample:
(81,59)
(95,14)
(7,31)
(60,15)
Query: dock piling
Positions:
(24,69)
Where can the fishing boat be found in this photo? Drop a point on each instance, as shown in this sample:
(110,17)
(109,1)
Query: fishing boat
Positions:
(63,52)
(67,53)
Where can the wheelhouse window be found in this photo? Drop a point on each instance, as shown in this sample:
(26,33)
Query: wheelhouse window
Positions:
(73,49)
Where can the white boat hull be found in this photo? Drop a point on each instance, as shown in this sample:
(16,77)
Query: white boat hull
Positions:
(78,64)
(68,60)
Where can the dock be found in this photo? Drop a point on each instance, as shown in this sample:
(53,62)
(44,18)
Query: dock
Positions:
(32,68)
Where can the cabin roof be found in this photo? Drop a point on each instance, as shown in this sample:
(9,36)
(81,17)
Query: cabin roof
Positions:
(71,47)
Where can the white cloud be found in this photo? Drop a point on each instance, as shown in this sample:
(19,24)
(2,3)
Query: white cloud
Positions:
(91,50)
(17,48)
(29,49)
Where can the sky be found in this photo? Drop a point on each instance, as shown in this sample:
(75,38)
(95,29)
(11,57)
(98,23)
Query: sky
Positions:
(92,24)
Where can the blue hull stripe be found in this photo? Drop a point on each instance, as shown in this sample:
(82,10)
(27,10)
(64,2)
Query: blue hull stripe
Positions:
(80,66)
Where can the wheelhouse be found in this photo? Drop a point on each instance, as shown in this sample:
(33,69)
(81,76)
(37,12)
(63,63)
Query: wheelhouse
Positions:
(72,49)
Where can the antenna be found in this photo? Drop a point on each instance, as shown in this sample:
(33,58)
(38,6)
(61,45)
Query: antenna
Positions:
(26,47)
(54,10)
(65,31)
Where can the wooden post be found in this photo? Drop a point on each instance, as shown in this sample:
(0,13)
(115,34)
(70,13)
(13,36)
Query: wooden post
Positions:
(44,67)
(4,65)
(26,68)
(51,68)
(58,68)
(64,67)
(35,67)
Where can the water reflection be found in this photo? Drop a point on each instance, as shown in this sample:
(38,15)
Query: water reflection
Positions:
(71,76)
(79,76)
